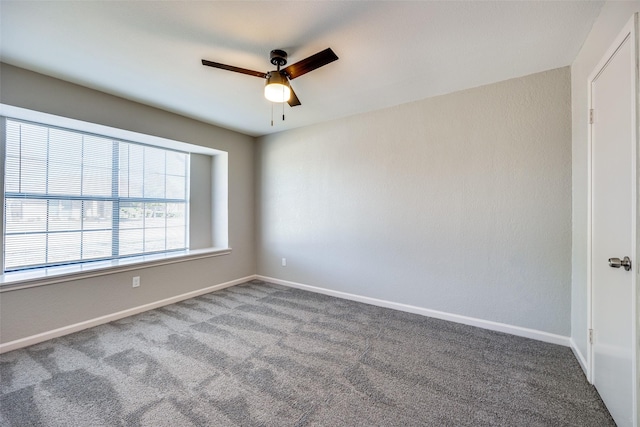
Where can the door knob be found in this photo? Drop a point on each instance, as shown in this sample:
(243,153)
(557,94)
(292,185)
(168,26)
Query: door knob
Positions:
(617,263)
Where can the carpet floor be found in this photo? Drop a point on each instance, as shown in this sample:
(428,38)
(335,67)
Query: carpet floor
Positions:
(260,354)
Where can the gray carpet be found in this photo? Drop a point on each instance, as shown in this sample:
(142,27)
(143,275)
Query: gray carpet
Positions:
(260,354)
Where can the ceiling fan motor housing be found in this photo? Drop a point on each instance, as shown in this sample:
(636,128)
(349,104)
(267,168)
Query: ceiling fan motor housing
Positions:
(278,57)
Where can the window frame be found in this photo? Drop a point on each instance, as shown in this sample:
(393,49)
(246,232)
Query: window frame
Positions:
(218,216)
(115,198)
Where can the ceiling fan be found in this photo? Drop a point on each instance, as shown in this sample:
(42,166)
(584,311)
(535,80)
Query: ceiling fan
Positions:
(277,87)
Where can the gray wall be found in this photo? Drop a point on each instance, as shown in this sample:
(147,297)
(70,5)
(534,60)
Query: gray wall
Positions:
(30,311)
(459,203)
(613,17)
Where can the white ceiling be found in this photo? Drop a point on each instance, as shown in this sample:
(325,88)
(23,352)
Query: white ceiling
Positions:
(391,52)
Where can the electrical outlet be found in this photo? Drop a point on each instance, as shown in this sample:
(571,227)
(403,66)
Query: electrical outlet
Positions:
(136,281)
(284,262)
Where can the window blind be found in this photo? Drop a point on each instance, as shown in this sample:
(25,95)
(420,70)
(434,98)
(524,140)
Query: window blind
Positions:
(74,197)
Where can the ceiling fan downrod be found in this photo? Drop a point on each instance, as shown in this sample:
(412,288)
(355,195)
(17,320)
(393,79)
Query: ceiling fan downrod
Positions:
(278,58)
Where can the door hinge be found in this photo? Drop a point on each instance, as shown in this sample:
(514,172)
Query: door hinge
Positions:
(590,336)
(591,116)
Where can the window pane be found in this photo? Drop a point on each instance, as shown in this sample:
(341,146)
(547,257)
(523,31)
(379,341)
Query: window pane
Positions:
(65,215)
(25,215)
(97,215)
(131,241)
(97,181)
(26,250)
(123,169)
(131,215)
(97,166)
(33,176)
(64,247)
(154,239)
(12,174)
(154,185)
(64,178)
(176,214)
(98,152)
(176,187)
(176,238)
(96,244)
(12,134)
(154,236)
(65,147)
(176,163)
(33,141)
(131,176)
(176,226)
(154,172)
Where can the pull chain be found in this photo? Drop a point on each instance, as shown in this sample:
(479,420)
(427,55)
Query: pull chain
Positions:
(283,117)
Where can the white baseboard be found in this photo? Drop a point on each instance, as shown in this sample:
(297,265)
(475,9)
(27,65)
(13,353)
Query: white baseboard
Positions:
(485,324)
(480,323)
(581,359)
(65,330)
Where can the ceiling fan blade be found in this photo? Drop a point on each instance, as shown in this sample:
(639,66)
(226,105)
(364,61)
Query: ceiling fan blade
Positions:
(311,63)
(293,99)
(232,68)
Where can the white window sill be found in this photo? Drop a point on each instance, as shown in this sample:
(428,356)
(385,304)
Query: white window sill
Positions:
(47,276)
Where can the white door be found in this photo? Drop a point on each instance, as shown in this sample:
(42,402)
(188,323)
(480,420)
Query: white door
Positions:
(613,222)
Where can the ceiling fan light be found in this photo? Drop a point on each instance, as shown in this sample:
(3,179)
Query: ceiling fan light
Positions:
(277,88)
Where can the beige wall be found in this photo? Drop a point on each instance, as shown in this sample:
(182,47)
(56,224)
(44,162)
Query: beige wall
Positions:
(614,15)
(459,203)
(30,311)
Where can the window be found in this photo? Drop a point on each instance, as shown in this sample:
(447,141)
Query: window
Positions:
(72,197)
(83,199)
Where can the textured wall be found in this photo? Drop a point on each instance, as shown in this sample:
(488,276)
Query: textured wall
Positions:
(459,203)
(31,311)
(613,17)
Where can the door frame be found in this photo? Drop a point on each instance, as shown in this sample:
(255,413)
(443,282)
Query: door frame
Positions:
(630,31)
